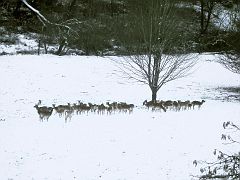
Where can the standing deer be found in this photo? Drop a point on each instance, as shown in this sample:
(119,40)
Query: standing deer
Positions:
(44,112)
(197,103)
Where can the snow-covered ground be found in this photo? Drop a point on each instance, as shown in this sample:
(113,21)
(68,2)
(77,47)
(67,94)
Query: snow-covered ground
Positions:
(144,145)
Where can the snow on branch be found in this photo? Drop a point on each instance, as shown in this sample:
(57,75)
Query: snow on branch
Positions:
(45,21)
(40,16)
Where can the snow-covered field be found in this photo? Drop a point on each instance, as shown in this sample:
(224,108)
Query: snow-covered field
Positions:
(144,145)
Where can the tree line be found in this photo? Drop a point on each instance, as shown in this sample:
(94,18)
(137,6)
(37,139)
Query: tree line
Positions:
(104,26)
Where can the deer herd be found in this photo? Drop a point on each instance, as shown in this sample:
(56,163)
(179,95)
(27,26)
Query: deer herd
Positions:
(173,105)
(68,110)
(78,108)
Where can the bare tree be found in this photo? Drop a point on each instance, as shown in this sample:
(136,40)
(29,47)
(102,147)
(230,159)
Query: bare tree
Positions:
(154,59)
(231,56)
(207,7)
(208,12)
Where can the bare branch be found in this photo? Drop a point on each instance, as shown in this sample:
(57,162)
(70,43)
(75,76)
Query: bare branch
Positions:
(46,22)
(231,61)
(40,16)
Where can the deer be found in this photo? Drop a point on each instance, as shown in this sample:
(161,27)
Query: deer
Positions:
(59,109)
(101,108)
(190,105)
(80,107)
(167,103)
(124,106)
(148,103)
(68,113)
(109,109)
(197,103)
(160,105)
(183,104)
(66,107)
(85,107)
(77,107)
(44,112)
(113,105)
(93,107)
(175,105)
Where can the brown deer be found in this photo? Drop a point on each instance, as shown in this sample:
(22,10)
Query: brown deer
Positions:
(44,112)
(197,103)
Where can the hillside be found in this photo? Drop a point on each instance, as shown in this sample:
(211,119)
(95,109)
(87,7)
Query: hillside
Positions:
(104,27)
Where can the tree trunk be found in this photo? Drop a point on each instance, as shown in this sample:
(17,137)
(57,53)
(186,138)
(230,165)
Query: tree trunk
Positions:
(154,95)
(59,51)
(61,47)
(45,47)
(202,16)
(210,9)
(39,46)
(16,11)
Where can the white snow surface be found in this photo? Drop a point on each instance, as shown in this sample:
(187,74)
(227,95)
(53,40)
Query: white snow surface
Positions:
(143,145)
